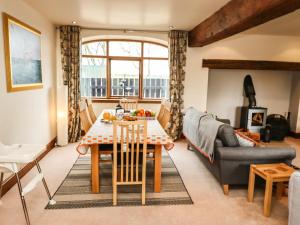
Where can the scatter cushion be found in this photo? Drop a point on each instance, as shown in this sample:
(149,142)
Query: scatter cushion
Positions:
(227,136)
(244,141)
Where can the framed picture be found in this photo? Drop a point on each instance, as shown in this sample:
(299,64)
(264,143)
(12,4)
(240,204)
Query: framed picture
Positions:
(22,45)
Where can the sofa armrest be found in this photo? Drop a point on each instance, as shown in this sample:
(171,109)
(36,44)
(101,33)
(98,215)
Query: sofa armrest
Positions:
(250,153)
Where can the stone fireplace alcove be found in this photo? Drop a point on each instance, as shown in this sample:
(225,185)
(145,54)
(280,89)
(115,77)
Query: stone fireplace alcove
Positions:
(276,84)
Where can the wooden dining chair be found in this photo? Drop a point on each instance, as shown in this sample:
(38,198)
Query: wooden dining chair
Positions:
(91,110)
(165,118)
(129,104)
(86,121)
(132,171)
(164,113)
(161,111)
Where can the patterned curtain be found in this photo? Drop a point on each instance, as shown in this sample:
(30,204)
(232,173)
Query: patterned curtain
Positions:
(177,58)
(70,58)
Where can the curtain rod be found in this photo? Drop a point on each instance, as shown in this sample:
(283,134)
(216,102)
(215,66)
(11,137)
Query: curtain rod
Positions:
(123,30)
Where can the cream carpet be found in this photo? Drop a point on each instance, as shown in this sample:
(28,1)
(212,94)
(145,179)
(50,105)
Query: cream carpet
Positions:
(210,206)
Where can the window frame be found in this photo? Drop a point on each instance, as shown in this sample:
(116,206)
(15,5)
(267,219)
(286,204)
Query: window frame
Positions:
(109,97)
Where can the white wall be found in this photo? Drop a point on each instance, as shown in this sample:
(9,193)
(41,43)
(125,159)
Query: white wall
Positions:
(241,46)
(225,92)
(96,34)
(29,116)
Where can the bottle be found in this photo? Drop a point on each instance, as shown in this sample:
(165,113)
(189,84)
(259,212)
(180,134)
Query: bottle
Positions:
(267,136)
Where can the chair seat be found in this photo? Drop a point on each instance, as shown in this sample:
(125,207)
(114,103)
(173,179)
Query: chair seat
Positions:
(22,154)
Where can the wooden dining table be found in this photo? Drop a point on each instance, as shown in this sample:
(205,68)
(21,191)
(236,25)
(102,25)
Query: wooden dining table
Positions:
(102,133)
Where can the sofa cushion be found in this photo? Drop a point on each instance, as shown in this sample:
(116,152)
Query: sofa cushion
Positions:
(227,136)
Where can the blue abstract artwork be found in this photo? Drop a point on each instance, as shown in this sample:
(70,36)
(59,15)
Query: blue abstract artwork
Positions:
(25,55)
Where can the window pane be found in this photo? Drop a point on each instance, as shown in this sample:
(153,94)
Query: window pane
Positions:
(156,79)
(127,72)
(153,50)
(93,77)
(94,48)
(123,48)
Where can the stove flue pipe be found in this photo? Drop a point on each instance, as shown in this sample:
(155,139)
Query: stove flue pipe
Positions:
(250,91)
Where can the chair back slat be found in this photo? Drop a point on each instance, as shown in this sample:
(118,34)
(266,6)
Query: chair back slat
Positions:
(161,113)
(166,118)
(165,104)
(91,110)
(127,152)
(86,121)
(131,139)
(137,152)
(164,113)
(132,153)
(122,154)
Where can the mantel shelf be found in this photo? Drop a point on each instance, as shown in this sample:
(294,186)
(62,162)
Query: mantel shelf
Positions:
(250,65)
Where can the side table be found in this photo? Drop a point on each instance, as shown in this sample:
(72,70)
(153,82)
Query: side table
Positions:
(271,173)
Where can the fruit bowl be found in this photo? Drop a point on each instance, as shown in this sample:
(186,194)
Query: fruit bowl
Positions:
(142,114)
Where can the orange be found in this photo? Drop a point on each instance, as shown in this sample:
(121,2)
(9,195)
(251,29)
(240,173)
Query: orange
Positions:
(106,115)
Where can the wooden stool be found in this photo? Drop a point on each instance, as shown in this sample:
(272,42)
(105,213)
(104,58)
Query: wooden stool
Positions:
(271,173)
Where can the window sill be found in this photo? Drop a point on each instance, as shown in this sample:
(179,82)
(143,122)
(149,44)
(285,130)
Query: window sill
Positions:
(110,100)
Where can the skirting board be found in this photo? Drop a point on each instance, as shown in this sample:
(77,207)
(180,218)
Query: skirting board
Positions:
(12,180)
(294,135)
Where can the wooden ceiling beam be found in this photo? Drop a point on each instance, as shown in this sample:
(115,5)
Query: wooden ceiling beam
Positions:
(237,16)
(250,65)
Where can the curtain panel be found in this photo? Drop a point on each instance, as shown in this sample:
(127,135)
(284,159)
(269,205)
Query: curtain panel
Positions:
(177,57)
(70,59)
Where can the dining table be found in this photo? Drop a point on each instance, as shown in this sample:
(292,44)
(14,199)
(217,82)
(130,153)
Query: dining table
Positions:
(101,133)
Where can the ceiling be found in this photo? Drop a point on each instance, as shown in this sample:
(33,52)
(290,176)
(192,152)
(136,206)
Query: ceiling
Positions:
(149,14)
(134,14)
(285,25)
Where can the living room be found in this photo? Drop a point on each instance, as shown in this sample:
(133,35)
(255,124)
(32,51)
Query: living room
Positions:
(179,63)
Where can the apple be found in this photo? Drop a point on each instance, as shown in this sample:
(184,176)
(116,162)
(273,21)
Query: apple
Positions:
(148,113)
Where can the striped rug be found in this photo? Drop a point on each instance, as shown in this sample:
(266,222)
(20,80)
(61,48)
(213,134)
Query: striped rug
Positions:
(75,190)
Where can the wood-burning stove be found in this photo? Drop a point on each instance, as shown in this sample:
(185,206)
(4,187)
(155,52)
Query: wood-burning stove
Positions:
(253,118)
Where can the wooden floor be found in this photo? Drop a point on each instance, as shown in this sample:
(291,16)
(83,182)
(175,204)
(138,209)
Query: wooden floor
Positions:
(291,142)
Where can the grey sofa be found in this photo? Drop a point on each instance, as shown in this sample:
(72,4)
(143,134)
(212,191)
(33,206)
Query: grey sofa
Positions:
(294,199)
(231,162)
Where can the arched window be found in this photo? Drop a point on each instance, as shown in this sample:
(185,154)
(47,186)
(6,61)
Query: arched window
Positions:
(124,68)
